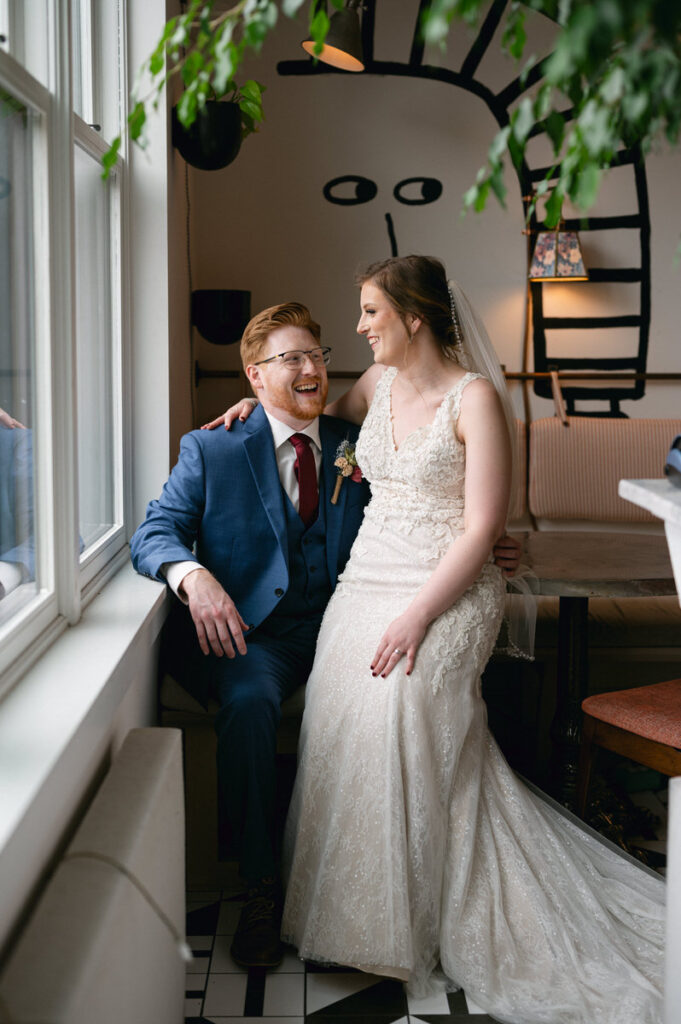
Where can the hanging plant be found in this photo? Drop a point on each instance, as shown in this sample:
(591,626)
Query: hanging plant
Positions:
(212,138)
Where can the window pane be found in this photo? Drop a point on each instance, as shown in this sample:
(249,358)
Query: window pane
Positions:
(106,75)
(17,527)
(95,383)
(24,24)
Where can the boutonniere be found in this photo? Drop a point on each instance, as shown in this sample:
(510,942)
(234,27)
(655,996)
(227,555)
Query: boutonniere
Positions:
(346,463)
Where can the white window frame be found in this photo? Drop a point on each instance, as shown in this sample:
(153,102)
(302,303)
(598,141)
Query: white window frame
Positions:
(68,582)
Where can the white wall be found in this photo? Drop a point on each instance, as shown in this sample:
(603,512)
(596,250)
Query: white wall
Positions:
(262,223)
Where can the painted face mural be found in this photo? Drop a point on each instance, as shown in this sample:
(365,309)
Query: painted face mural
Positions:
(352,169)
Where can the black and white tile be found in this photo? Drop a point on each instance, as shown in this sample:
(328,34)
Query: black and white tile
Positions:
(219,991)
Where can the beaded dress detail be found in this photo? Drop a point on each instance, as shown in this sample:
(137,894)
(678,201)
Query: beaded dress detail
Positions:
(411,848)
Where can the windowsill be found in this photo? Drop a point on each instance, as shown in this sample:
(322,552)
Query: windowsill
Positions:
(73,691)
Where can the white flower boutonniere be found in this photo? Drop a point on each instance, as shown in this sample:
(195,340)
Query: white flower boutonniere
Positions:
(346,463)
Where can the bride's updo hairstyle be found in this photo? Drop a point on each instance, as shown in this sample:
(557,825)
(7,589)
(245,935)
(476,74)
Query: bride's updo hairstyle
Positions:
(417,285)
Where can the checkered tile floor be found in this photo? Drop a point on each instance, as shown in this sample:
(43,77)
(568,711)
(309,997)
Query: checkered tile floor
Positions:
(297,993)
(217,990)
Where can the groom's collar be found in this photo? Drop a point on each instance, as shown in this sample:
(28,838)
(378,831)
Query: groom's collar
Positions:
(282,431)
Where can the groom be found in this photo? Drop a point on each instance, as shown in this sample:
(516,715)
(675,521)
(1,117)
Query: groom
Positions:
(247,534)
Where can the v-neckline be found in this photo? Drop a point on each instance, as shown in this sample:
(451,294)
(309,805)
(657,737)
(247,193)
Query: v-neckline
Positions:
(398,448)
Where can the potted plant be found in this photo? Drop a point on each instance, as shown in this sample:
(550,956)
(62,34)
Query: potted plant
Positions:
(214,138)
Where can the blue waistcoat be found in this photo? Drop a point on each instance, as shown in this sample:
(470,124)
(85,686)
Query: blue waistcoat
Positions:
(309,584)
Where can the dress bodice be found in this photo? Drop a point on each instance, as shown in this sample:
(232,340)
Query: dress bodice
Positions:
(424,477)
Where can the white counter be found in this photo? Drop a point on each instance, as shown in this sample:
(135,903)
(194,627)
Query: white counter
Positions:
(664,500)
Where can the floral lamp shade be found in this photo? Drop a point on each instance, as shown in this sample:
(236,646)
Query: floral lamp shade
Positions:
(558,257)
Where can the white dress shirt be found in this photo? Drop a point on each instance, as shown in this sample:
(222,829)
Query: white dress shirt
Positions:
(175,572)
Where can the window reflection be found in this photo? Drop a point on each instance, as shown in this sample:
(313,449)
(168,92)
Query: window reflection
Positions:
(17,527)
(94,355)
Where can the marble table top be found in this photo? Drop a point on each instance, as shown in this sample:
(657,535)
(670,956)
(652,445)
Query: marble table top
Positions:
(660,497)
(576,564)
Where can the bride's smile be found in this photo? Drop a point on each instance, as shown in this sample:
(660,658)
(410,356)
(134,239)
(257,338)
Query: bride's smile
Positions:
(383,327)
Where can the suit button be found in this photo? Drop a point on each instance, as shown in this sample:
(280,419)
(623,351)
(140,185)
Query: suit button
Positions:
(278,592)
(313,568)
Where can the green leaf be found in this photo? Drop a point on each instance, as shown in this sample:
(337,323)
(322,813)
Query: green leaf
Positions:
(522,120)
(554,208)
(516,152)
(499,144)
(187,108)
(226,62)
(596,128)
(110,157)
(496,181)
(136,120)
(613,85)
(514,36)
(252,90)
(253,110)
(255,33)
(542,102)
(588,182)
(192,67)
(481,198)
(555,129)
(319,27)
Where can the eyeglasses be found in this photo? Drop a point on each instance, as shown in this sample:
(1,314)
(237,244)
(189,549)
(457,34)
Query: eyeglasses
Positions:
(294,360)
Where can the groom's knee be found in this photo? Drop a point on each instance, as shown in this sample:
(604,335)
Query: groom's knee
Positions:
(252,706)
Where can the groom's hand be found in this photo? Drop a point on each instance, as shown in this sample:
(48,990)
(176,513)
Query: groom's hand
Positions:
(219,627)
(507,552)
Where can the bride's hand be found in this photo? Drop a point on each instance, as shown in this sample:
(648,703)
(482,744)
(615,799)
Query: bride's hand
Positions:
(242,410)
(400,640)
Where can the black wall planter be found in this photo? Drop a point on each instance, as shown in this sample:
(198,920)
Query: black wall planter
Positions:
(214,139)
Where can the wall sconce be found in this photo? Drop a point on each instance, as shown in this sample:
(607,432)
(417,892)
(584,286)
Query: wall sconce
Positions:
(221,314)
(343,44)
(557,257)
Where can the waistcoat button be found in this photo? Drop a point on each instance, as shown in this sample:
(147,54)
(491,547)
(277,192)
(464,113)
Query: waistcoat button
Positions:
(278,592)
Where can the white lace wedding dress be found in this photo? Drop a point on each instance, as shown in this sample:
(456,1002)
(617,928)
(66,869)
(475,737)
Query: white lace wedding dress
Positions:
(410,843)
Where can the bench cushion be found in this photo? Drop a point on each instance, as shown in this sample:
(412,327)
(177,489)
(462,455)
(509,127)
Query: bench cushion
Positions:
(574,471)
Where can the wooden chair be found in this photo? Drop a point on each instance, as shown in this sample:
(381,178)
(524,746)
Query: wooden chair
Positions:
(643,724)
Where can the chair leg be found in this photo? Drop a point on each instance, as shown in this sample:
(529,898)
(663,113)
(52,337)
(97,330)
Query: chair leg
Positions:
(587,753)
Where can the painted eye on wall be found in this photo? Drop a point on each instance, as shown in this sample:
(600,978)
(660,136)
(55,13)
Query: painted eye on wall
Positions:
(430,189)
(363,188)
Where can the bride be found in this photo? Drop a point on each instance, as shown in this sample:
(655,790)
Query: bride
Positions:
(411,848)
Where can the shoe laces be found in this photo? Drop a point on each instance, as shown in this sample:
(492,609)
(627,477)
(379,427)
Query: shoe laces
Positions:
(258,908)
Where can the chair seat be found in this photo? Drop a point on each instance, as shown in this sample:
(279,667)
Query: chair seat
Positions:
(653,712)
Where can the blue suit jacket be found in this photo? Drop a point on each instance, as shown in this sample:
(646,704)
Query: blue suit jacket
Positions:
(224,498)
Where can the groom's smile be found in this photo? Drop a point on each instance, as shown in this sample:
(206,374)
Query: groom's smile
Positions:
(294,394)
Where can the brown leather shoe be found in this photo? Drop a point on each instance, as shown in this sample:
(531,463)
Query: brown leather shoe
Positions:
(256,942)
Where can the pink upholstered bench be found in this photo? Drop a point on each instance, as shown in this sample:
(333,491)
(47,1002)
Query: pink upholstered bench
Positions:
(643,724)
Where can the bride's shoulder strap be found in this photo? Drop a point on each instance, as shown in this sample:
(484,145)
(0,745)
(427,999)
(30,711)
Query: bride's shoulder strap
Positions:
(455,394)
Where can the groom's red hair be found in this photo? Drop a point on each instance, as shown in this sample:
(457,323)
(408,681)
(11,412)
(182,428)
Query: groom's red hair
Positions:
(259,328)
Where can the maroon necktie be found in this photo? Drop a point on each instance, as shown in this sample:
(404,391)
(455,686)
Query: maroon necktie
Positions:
(306,475)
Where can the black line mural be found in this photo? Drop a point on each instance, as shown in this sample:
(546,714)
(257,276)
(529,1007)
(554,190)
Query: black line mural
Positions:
(349,189)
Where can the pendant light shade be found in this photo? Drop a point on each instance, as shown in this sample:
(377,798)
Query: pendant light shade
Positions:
(558,257)
(343,44)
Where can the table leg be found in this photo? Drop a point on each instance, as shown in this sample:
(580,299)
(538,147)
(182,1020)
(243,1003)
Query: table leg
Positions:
(571,689)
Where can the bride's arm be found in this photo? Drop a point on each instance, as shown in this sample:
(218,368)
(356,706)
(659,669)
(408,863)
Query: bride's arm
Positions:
(482,427)
(354,404)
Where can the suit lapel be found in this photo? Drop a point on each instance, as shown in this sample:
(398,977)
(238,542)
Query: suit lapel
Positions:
(330,439)
(262,460)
